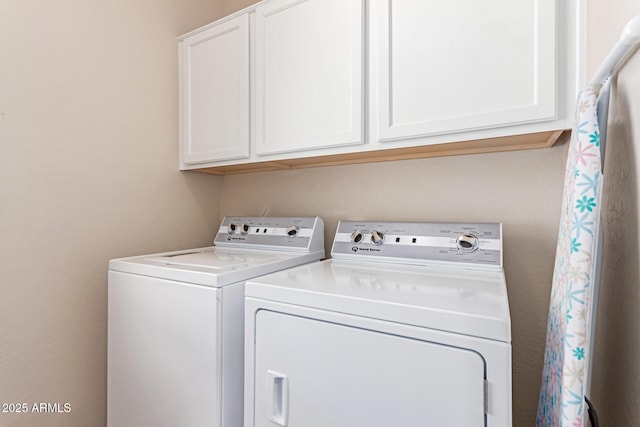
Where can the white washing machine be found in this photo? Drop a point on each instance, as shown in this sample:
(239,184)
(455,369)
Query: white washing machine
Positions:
(407,325)
(176,322)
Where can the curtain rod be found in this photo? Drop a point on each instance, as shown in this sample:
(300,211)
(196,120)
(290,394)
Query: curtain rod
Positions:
(622,50)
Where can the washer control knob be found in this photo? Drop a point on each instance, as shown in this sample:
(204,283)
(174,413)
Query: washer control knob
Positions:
(232,228)
(467,242)
(245,229)
(292,231)
(356,237)
(377,237)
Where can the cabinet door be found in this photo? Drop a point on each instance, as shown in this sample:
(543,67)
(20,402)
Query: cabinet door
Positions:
(309,74)
(442,67)
(215,93)
(311,373)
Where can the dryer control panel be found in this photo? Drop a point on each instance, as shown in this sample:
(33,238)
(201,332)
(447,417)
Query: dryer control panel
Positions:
(475,245)
(272,233)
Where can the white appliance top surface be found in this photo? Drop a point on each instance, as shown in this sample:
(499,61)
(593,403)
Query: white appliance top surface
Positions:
(212,266)
(245,247)
(457,300)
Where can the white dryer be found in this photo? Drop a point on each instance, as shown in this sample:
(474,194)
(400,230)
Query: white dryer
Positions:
(176,322)
(407,325)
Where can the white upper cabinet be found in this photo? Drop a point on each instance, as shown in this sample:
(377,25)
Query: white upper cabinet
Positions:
(214,93)
(309,74)
(297,83)
(449,66)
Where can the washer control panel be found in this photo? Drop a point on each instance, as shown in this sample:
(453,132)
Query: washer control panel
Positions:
(270,232)
(475,245)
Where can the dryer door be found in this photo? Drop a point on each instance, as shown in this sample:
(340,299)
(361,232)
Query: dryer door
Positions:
(312,373)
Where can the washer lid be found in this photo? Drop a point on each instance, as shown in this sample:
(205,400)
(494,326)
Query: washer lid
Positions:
(461,301)
(212,266)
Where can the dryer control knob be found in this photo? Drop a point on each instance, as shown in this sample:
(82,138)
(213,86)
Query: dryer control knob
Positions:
(245,229)
(292,231)
(467,242)
(377,237)
(356,237)
(232,228)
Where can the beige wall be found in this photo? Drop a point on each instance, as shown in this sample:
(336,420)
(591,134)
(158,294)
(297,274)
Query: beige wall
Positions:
(88,172)
(616,375)
(88,107)
(230,6)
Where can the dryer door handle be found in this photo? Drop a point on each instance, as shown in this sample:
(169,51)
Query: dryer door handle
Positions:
(278,398)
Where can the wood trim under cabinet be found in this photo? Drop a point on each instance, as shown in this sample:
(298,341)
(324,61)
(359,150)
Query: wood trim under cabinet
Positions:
(489,145)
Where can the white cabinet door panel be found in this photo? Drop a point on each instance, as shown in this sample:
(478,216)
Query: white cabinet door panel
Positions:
(309,74)
(452,66)
(311,373)
(215,90)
